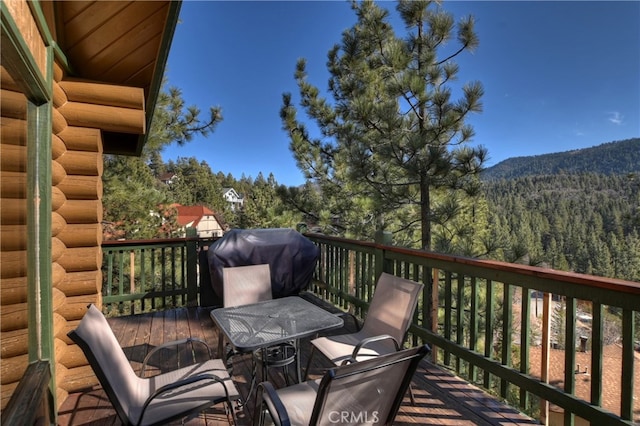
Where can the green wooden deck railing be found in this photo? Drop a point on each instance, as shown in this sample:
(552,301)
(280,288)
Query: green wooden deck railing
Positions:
(147,275)
(478,315)
(473,312)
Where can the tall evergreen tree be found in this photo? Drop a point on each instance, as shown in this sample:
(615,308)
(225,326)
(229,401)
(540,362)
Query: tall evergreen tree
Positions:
(133,201)
(264,208)
(197,185)
(393,137)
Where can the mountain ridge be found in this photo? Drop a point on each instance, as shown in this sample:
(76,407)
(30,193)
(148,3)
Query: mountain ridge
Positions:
(610,158)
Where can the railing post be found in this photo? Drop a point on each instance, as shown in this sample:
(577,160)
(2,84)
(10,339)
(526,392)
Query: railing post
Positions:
(382,265)
(32,402)
(192,266)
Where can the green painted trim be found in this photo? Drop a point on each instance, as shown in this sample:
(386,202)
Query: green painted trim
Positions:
(39,280)
(192,267)
(161,63)
(18,60)
(38,17)
(38,89)
(45,32)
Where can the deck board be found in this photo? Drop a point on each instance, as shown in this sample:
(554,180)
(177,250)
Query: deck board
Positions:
(441,398)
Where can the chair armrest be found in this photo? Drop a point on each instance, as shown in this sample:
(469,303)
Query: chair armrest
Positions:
(364,342)
(355,319)
(180,383)
(275,406)
(169,344)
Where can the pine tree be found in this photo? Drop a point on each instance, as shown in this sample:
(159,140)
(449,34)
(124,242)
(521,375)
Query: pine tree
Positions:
(393,138)
(134,201)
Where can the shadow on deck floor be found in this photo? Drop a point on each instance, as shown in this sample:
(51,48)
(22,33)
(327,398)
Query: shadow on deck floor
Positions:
(441,398)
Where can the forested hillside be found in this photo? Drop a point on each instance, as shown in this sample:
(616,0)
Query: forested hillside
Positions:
(583,222)
(611,158)
(588,223)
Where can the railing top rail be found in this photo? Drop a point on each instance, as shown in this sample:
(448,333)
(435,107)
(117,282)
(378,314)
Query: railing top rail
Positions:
(153,241)
(343,240)
(618,285)
(614,284)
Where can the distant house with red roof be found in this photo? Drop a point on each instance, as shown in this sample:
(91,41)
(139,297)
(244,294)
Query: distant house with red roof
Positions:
(207,223)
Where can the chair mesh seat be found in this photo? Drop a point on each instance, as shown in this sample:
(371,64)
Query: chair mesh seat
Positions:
(188,389)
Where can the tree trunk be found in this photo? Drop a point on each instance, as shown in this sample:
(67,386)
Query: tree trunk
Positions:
(425,212)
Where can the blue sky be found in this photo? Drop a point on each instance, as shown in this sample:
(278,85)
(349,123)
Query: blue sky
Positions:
(557,76)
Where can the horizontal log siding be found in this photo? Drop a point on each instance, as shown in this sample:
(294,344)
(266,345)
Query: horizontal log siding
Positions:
(76,224)
(13,237)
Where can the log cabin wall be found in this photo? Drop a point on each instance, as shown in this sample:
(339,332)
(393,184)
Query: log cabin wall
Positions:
(76,175)
(76,194)
(55,127)
(13,236)
(14,336)
(82,110)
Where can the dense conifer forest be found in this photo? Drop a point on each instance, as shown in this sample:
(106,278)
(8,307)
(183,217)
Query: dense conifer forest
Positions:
(574,211)
(582,217)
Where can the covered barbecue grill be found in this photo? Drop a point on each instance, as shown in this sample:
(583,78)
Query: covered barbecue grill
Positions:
(291,257)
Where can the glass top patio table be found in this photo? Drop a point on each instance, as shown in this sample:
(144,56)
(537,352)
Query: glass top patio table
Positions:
(267,323)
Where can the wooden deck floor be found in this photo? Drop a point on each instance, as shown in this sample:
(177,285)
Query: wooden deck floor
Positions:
(441,398)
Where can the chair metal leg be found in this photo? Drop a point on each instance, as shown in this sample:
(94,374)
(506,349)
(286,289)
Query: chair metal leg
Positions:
(306,371)
(221,350)
(258,411)
(297,361)
(232,411)
(254,373)
(411,397)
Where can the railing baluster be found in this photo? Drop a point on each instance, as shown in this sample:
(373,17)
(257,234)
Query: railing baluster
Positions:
(120,279)
(172,267)
(447,314)
(570,355)
(435,309)
(525,341)
(473,327)
(488,331)
(143,278)
(597,344)
(628,334)
(459,317)
(507,335)
(417,316)
(110,255)
(163,275)
(153,277)
(342,268)
(361,268)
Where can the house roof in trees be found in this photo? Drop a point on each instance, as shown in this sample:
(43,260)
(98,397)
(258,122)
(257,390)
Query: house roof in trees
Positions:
(166,177)
(611,375)
(192,215)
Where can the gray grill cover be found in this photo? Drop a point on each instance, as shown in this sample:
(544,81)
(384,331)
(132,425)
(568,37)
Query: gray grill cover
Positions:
(291,257)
